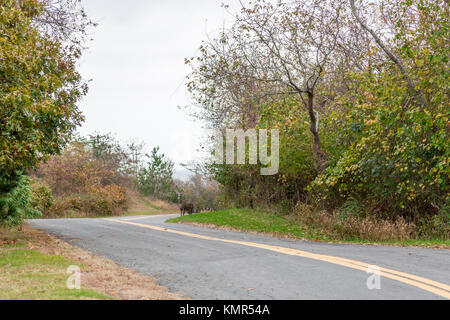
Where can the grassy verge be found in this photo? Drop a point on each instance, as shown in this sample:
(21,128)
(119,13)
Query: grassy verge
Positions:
(285,226)
(33,265)
(27,274)
(251,220)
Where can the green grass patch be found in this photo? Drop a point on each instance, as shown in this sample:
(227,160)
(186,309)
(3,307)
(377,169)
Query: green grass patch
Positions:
(27,274)
(269,223)
(251,220)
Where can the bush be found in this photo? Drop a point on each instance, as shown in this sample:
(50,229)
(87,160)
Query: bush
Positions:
(16,205)
(392,141)
(199,190)
(349,227)
(117,194)
(80,182)
(399,163)
(42,197)
(352,208)
(108,200)
(437,225)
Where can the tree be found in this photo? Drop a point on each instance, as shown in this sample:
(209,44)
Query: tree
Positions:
(135,151)
(39,89)
(412,86)
(155,177)
(376,72)
(279,49)
(395,150)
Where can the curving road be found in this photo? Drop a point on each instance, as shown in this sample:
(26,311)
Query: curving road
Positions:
(215,264)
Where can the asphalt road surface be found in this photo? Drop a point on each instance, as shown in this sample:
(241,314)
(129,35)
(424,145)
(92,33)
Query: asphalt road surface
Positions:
(204,263)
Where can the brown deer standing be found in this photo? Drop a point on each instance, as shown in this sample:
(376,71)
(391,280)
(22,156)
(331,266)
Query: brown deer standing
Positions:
(185,206)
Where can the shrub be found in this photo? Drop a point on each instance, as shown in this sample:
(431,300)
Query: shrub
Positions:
(16,205)
(42,197)
(117,194)
(399,162)
(199,190)
(393,139)
(437,225)
(348,227)
(108,200)
(352,208)
(78,179)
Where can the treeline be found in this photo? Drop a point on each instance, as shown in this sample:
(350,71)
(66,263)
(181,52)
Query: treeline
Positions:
(359,93)
(44,167)
(91,176)
(96,175)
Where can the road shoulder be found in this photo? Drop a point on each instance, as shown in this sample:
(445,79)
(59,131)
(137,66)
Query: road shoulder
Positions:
(97,273)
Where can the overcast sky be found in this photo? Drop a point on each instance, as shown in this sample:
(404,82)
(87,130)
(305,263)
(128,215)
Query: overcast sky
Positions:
(136,63)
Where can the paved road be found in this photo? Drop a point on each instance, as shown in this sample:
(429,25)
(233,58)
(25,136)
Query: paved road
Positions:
(216,264)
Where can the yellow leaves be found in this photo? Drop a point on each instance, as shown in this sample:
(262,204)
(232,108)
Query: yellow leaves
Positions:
(419,62)
(370,122)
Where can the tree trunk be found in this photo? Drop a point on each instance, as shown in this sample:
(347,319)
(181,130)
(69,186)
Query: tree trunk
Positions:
(315,131)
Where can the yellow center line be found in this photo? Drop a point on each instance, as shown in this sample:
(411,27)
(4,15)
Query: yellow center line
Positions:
(435,287)
(140,218)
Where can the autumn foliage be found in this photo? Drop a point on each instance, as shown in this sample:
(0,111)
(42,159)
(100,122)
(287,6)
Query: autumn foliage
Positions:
(359,94)
(80,183)
(39,90)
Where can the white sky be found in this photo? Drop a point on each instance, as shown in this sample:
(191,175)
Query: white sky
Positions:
(136,63)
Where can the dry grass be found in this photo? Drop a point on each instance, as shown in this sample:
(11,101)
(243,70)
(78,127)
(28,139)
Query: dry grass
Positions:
(334,226)
(97,273)
(309,224)
(139,204)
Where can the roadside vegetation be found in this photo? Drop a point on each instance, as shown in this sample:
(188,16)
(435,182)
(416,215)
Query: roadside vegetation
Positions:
(46,170)
(34,265)
(40,44)
(27,274)
(249,220)
(96,176)
(308,225)
(359,93)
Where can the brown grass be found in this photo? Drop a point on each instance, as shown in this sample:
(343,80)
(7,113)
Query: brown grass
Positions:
(369,228)
(139,203)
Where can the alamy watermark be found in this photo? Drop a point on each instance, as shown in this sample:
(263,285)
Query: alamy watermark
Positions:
(374,281)
(257,148)
(74,281)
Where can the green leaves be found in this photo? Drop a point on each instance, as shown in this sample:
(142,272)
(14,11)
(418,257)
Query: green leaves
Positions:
(15,205)
(155,178)
(39,88)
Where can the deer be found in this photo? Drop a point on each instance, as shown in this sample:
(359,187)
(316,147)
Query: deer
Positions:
(185,206)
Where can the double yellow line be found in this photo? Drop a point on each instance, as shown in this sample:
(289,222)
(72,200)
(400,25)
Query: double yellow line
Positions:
(435,287)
